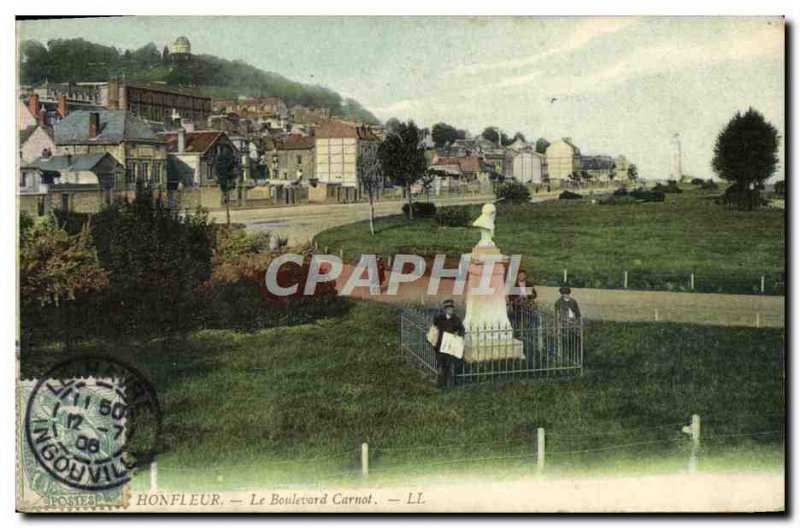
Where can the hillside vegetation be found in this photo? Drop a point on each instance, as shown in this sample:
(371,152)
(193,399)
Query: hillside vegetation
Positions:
(78,60)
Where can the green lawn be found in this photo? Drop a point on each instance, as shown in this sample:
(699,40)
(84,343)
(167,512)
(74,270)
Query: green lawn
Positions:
(659,244)
(246,410)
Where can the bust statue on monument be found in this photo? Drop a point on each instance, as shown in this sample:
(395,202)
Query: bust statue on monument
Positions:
(485,223)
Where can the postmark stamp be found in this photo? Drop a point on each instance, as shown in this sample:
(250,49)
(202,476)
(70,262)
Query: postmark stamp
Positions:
(88,424)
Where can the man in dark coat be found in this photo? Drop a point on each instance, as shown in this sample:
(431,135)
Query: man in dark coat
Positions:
(446,321)
(568,319)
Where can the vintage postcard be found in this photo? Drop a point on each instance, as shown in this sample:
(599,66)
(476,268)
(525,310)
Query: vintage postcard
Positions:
(401,264)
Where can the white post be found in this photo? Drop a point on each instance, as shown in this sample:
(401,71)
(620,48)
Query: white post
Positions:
(153,476)
(655,314)
(758,320)
(364,460)
(695,443)
(565,275)
(341,253)
(625,280)
(540,450)
(691,281)
(762,284)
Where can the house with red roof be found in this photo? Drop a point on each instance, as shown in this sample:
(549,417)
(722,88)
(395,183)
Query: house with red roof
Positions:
(192,157)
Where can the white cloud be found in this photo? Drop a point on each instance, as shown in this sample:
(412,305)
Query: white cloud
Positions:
(584,31)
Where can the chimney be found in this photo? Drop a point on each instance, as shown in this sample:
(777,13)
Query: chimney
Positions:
(181,140)
(33,106)
(94,124)
(61,102)
(112,97)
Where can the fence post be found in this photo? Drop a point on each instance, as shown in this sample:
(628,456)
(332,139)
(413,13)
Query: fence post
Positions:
(693,431)
(540,450)
(364,460)
(153,476)
(565,275)
(758,320)
(691,281)
(762,284)
(695,442)
(341,253)
(326,250)
(655,314)
(625,280)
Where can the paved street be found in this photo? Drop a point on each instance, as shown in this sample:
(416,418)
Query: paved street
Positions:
(301,222)
(625,305)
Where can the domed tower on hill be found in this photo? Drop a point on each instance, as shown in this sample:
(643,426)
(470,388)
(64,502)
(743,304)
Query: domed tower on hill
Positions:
(181,49)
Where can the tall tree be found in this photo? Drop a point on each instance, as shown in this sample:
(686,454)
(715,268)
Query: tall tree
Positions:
(746,154)
(491,133)
(402,157)
(443,134)
(226,179)
(370,177)
(541,145)
(633,172)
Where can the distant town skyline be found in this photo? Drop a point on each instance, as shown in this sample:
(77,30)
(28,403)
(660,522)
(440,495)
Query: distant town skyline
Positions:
(614,85)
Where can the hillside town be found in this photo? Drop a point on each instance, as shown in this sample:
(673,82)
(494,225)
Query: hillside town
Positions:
(83,145)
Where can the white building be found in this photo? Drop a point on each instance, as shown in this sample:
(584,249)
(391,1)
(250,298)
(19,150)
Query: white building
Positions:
(336,152)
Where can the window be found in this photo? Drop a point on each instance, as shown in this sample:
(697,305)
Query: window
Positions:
(299,160)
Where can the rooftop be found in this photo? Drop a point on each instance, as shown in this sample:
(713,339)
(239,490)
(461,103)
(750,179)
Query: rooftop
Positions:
(115,127)
(196,142)
(73,163)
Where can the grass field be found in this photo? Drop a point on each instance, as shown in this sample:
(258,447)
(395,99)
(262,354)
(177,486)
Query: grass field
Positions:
(659,244)
(245,410)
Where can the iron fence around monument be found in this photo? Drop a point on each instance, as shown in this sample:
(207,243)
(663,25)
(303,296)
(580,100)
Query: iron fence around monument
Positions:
(544,345)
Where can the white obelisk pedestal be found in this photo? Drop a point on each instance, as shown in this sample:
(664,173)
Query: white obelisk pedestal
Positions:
(489,334)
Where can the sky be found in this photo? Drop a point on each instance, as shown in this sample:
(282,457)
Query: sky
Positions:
(613,85)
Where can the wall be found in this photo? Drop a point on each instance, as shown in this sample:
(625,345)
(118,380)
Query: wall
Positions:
(288,165)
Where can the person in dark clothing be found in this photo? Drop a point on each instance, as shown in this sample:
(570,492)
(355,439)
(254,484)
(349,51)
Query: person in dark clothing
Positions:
(446,321)
(517,302)
(568,319)
(566,307)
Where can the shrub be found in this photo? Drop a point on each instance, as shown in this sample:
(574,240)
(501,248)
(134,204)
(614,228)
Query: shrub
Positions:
(512,192)
(697,181)
(709,185)
(454,216)
(622,191)
(569,195)
(644,195)
(670,187)
(421,209)
(780,188)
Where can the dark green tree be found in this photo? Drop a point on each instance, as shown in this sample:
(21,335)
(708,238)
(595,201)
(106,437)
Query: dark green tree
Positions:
(225,167)
(157,260)
(443,134)
(746,154)
(402,157)
(633,172)
(541,145)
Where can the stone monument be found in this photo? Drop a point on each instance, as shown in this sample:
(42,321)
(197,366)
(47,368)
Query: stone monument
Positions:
(489,334)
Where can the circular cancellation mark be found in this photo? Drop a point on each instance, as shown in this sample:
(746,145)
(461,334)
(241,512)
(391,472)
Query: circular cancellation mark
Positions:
(90,420)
